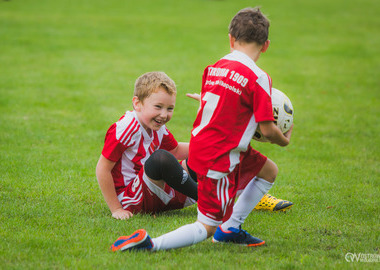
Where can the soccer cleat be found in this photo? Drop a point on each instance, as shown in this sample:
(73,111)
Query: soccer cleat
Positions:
(270,203)
(139,240)
(236,236)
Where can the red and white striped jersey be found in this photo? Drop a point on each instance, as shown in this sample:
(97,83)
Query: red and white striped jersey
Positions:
(129,145)
(235,96)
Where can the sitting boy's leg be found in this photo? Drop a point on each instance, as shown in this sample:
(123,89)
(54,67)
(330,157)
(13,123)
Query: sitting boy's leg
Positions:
(162,165)
(244,205)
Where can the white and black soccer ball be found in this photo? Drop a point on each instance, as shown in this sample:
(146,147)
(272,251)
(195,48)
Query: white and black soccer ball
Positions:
(282,112)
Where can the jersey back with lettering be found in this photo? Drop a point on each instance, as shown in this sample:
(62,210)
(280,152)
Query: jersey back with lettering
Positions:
(235,96)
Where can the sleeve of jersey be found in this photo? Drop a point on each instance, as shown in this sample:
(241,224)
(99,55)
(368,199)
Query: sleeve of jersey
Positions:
(168,141)
(113,149)
(262,105)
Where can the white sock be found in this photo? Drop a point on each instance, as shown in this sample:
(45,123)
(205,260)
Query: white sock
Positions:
(248,199)
(184,236)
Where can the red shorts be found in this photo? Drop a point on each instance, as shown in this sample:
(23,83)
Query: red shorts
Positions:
(216,197)
(142,196)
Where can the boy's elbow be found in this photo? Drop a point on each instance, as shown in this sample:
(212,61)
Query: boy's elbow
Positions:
(284,143)
(267,133)
(273,133)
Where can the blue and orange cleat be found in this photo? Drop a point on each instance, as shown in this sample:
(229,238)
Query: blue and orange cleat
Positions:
(236,236)
(139,240)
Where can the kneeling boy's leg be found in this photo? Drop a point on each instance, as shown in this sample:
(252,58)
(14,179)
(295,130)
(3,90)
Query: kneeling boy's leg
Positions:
(271,203)
(269,171)
(184,236)
(252,194)
(216,203)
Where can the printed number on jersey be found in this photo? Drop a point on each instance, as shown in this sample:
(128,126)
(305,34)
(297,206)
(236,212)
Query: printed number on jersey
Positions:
(211,102)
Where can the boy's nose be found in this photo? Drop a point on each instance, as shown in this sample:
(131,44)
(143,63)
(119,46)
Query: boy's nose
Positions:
(164,114)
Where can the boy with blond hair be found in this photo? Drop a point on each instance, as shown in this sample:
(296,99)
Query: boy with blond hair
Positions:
(138,171)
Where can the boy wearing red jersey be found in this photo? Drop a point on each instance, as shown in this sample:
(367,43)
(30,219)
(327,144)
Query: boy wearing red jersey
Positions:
(138,169)
(235,100)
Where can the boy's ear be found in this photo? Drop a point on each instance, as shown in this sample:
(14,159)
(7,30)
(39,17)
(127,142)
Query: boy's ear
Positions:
(265,46)
(232,41)
(136,103)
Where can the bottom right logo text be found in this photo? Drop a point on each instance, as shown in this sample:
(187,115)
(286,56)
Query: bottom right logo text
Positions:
(362,257)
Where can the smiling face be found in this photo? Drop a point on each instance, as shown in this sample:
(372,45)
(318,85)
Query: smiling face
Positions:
(156,110)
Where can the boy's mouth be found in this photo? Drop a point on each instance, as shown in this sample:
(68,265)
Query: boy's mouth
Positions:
(160,122)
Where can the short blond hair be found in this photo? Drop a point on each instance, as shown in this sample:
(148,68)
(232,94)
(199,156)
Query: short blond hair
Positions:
(150,82)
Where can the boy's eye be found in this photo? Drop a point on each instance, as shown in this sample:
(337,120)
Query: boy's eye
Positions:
(158,106)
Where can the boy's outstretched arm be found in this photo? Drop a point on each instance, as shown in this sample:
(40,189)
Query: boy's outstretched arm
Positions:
(105,180)
(194,96)
(274,134)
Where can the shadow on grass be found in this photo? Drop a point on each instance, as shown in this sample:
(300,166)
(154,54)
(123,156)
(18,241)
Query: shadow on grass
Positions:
(180,213)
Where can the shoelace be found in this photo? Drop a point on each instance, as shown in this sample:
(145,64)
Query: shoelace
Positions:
(242,232)
(271,198)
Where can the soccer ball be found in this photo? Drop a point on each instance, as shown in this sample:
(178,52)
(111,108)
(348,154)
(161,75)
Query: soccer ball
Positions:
(282,112)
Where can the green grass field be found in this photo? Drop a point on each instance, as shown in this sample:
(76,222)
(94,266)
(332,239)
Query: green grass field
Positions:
(67,70)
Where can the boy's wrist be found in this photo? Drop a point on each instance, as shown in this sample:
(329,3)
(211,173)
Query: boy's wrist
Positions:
(116,210)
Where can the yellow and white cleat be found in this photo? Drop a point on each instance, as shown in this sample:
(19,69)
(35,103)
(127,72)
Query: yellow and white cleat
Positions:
(270,203)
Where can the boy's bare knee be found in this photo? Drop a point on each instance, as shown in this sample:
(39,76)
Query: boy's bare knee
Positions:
(269,171)
(159,183)
(210,229)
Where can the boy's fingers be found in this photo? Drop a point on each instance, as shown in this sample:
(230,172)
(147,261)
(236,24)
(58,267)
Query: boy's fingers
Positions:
(194,96)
